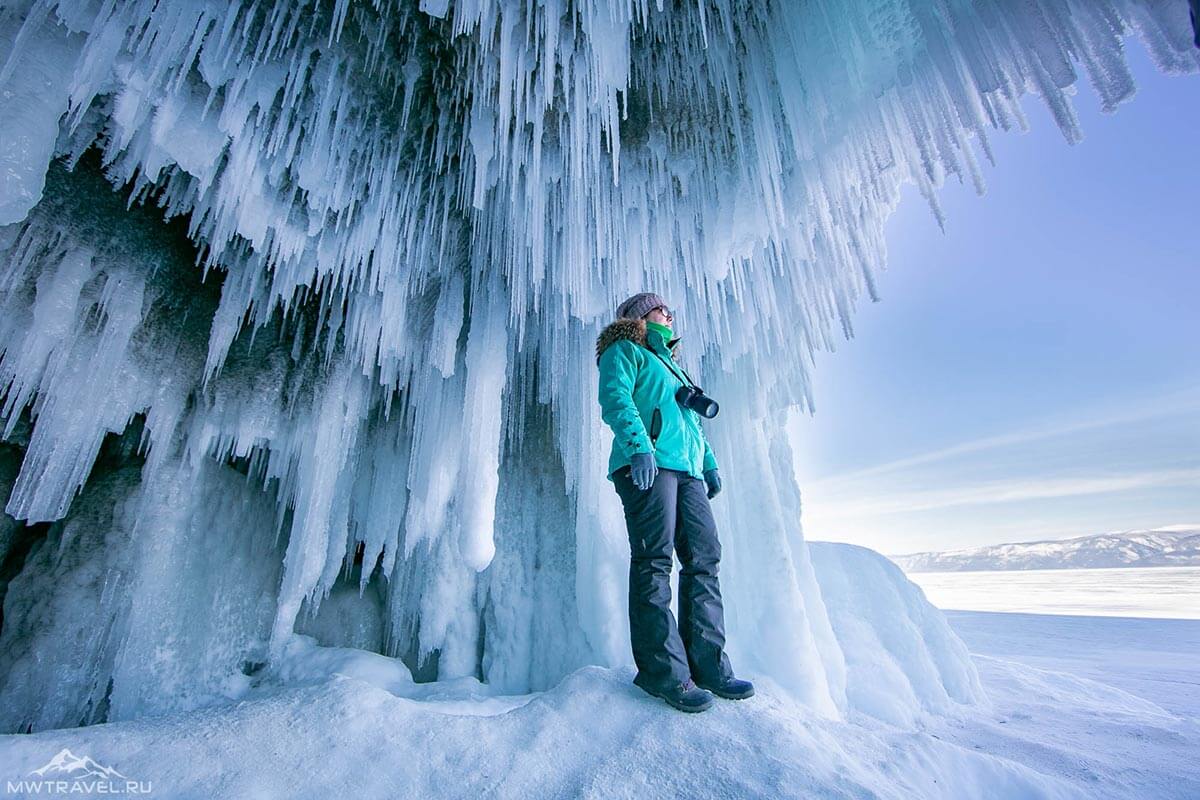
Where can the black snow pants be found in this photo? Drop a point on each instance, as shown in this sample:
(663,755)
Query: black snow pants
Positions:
(673,513)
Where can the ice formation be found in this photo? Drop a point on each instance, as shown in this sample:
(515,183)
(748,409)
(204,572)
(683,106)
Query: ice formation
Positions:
(296,302)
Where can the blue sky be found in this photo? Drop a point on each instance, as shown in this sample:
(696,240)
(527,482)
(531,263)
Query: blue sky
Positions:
(1033,372)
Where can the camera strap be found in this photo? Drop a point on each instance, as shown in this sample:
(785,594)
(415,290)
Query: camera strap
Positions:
(688,382)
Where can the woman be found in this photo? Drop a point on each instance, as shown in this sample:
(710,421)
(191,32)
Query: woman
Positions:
(665,473)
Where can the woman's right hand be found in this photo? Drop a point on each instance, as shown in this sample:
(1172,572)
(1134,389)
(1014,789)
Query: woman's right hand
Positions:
(643,470)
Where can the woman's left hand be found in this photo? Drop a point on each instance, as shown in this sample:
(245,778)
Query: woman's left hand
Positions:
(713,481)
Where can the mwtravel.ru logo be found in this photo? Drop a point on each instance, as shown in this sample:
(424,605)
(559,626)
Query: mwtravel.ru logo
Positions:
(68,773)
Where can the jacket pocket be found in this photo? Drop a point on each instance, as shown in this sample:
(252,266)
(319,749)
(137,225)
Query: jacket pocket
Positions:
(655,426)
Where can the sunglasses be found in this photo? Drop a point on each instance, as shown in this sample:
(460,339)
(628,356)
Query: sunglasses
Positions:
(666,311)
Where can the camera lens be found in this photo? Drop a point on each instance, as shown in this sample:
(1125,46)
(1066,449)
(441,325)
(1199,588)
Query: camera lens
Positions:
(694,398)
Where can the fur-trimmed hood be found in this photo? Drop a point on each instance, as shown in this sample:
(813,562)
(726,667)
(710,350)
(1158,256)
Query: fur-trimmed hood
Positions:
(624,328)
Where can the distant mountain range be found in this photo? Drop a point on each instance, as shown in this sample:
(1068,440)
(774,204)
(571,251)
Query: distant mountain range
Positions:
(1175,546)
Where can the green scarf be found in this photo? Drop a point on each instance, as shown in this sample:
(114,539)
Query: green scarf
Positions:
(662,329)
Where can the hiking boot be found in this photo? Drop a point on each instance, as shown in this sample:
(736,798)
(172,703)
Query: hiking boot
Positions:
(685,696)
(731,688)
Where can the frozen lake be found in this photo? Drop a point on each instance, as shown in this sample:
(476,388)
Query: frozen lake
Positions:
(1157,659)
(1158,592)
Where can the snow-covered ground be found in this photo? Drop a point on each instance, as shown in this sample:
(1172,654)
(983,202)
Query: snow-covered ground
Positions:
(1077,707)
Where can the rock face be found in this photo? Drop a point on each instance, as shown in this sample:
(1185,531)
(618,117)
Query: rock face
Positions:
(297,299)
(1161,547)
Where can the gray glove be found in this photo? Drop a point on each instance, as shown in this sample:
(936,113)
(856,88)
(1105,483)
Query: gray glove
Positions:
(643,470)
(713,481)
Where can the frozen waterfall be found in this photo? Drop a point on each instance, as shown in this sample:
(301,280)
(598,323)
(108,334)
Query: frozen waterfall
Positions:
(298,300)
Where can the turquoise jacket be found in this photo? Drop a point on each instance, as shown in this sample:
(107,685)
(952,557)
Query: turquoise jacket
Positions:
(637,396)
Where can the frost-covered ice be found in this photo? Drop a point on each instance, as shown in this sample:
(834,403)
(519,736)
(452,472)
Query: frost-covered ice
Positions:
(322,364)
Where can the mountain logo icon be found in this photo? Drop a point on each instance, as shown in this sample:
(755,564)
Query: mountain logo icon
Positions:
(68,765)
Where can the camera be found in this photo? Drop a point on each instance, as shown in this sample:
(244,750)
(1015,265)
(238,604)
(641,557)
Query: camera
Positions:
(693,397)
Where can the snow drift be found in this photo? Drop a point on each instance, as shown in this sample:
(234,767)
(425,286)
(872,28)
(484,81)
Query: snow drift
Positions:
(349,722)
(296,301)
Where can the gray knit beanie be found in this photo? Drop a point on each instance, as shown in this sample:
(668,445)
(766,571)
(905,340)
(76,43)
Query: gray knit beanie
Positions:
(640,305)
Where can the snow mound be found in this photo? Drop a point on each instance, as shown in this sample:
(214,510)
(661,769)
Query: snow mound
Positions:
(901,655)
(596,735)
(593,735)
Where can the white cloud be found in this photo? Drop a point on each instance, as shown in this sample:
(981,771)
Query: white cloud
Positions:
(1182,401)
(1046,481)
(861,502)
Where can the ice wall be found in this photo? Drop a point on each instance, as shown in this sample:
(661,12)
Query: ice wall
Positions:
(345,294)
